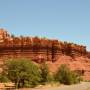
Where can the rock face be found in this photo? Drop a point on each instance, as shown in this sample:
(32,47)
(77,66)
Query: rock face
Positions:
(41,49)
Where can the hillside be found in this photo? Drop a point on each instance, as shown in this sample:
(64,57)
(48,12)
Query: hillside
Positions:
(54,52)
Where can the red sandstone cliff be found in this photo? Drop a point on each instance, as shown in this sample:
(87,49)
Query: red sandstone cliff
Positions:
(40,49)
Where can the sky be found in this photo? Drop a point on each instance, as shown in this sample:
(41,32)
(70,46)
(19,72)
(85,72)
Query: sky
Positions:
(65,20)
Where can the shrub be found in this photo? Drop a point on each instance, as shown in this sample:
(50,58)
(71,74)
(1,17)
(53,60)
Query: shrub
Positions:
(45,75)
(3,78)
(65,76)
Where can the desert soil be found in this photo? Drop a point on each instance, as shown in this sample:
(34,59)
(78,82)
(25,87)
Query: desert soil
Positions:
(81,86)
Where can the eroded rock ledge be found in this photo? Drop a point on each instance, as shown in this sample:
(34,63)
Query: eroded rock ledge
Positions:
(34,47)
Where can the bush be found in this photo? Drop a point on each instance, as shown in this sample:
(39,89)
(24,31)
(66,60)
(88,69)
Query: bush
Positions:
(76,78)
(65,76)
(24,73)
(3,78)
(45,74)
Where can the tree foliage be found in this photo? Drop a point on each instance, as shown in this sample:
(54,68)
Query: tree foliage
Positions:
(23,73)
(45,75)
(3,78)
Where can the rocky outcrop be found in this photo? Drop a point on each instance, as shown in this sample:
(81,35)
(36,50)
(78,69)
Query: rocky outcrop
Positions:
(37,48)
(42,49)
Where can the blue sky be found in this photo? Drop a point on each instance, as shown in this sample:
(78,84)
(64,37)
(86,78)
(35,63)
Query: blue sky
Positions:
(66,20)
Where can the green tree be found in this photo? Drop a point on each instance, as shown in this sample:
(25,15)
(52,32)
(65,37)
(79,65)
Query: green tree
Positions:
(23,72)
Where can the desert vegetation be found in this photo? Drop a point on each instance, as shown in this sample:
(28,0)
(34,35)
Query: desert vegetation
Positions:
(25,73)
(65,76)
